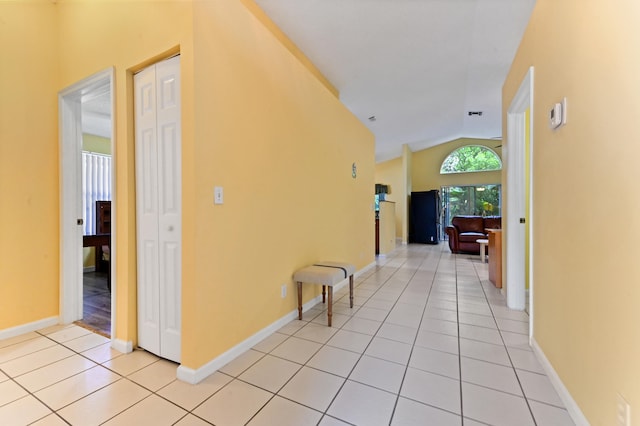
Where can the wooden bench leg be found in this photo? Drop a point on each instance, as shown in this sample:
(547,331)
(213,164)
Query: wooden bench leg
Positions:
(330,307)
(351,291)
(323,293)
(299,300)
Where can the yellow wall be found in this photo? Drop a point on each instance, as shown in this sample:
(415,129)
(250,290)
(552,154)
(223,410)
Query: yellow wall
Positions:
(97,144)
(426,166)
(282,146)
(29,219)
(288,44)
(586,289)
(390,173)
(260,124)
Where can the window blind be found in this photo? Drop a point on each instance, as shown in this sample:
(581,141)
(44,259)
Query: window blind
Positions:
(96,186)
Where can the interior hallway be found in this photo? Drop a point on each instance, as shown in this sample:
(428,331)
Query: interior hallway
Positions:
(429,342)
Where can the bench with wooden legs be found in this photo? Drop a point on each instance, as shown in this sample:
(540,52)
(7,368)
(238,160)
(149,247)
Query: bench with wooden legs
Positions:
(327,274)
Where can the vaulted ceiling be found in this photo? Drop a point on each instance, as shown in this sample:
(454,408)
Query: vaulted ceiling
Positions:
(417,67)
(410,70)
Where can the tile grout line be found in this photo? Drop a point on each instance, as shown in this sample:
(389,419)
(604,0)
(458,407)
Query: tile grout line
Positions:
(459,345)
(413,345)
(397,267)
(274,394)
(406,367)
(372,337)
(97,364)
(524,395)
(32,394)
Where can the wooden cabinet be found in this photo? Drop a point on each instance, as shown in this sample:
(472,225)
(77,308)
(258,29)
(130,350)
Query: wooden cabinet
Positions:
(377,235)
(103,217)
(495,257)
(103,226)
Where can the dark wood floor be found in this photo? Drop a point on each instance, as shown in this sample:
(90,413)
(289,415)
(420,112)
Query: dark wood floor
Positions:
(96,303)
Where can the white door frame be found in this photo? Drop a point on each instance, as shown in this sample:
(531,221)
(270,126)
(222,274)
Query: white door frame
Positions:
(516,190)
(70,124)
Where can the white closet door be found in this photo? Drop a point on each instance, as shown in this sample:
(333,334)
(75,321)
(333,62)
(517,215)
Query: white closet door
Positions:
(158,195)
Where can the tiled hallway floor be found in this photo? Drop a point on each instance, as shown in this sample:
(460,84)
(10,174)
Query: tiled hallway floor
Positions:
(429,342)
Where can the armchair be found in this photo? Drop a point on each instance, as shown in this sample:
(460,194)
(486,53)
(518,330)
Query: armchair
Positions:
(465,230)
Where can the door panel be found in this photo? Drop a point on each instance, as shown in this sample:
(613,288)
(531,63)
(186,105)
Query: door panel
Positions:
(169,203)
(147,222)
(159,221)
(169,303)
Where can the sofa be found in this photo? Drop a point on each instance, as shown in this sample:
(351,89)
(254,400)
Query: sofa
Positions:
(465,230)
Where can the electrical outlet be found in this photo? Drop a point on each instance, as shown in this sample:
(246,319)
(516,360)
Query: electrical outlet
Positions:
(283,291)
(624,412)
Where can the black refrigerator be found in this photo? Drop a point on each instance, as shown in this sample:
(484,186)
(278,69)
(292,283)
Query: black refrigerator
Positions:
(424,217)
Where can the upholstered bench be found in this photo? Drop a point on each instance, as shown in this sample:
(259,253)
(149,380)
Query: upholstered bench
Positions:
(327,274)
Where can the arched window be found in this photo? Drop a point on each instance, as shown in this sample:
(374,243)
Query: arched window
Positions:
(471,158)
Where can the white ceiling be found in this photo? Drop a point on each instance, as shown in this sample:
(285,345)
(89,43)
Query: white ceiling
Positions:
(96,110)
(418,66)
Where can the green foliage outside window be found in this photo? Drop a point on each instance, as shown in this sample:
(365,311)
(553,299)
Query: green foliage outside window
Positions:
(479,200)
(471,158)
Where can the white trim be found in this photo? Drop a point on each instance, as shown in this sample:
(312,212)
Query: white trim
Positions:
(70,134)
(515,265)
(29,327)
(121,345)
(114,205)
(70,207)
(193,377)
(570,404)
(363,270)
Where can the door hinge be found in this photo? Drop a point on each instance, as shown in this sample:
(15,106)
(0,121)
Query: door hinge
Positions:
(522,220)
(80,221)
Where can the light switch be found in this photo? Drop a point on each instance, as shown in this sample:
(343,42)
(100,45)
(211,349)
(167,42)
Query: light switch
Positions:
(218,195)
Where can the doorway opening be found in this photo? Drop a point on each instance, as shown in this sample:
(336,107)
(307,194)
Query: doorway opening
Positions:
(86,111)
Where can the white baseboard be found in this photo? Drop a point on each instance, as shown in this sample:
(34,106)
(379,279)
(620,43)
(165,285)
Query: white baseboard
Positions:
(192,376)
(88,269)
(29,327)
(570,404)
(122,345)
(365,269)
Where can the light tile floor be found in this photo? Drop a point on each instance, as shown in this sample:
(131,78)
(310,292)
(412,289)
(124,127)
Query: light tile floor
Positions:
(429,341)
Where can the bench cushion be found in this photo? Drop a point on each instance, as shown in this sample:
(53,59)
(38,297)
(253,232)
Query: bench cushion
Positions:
(347,268)
(319,275)
(326,272)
